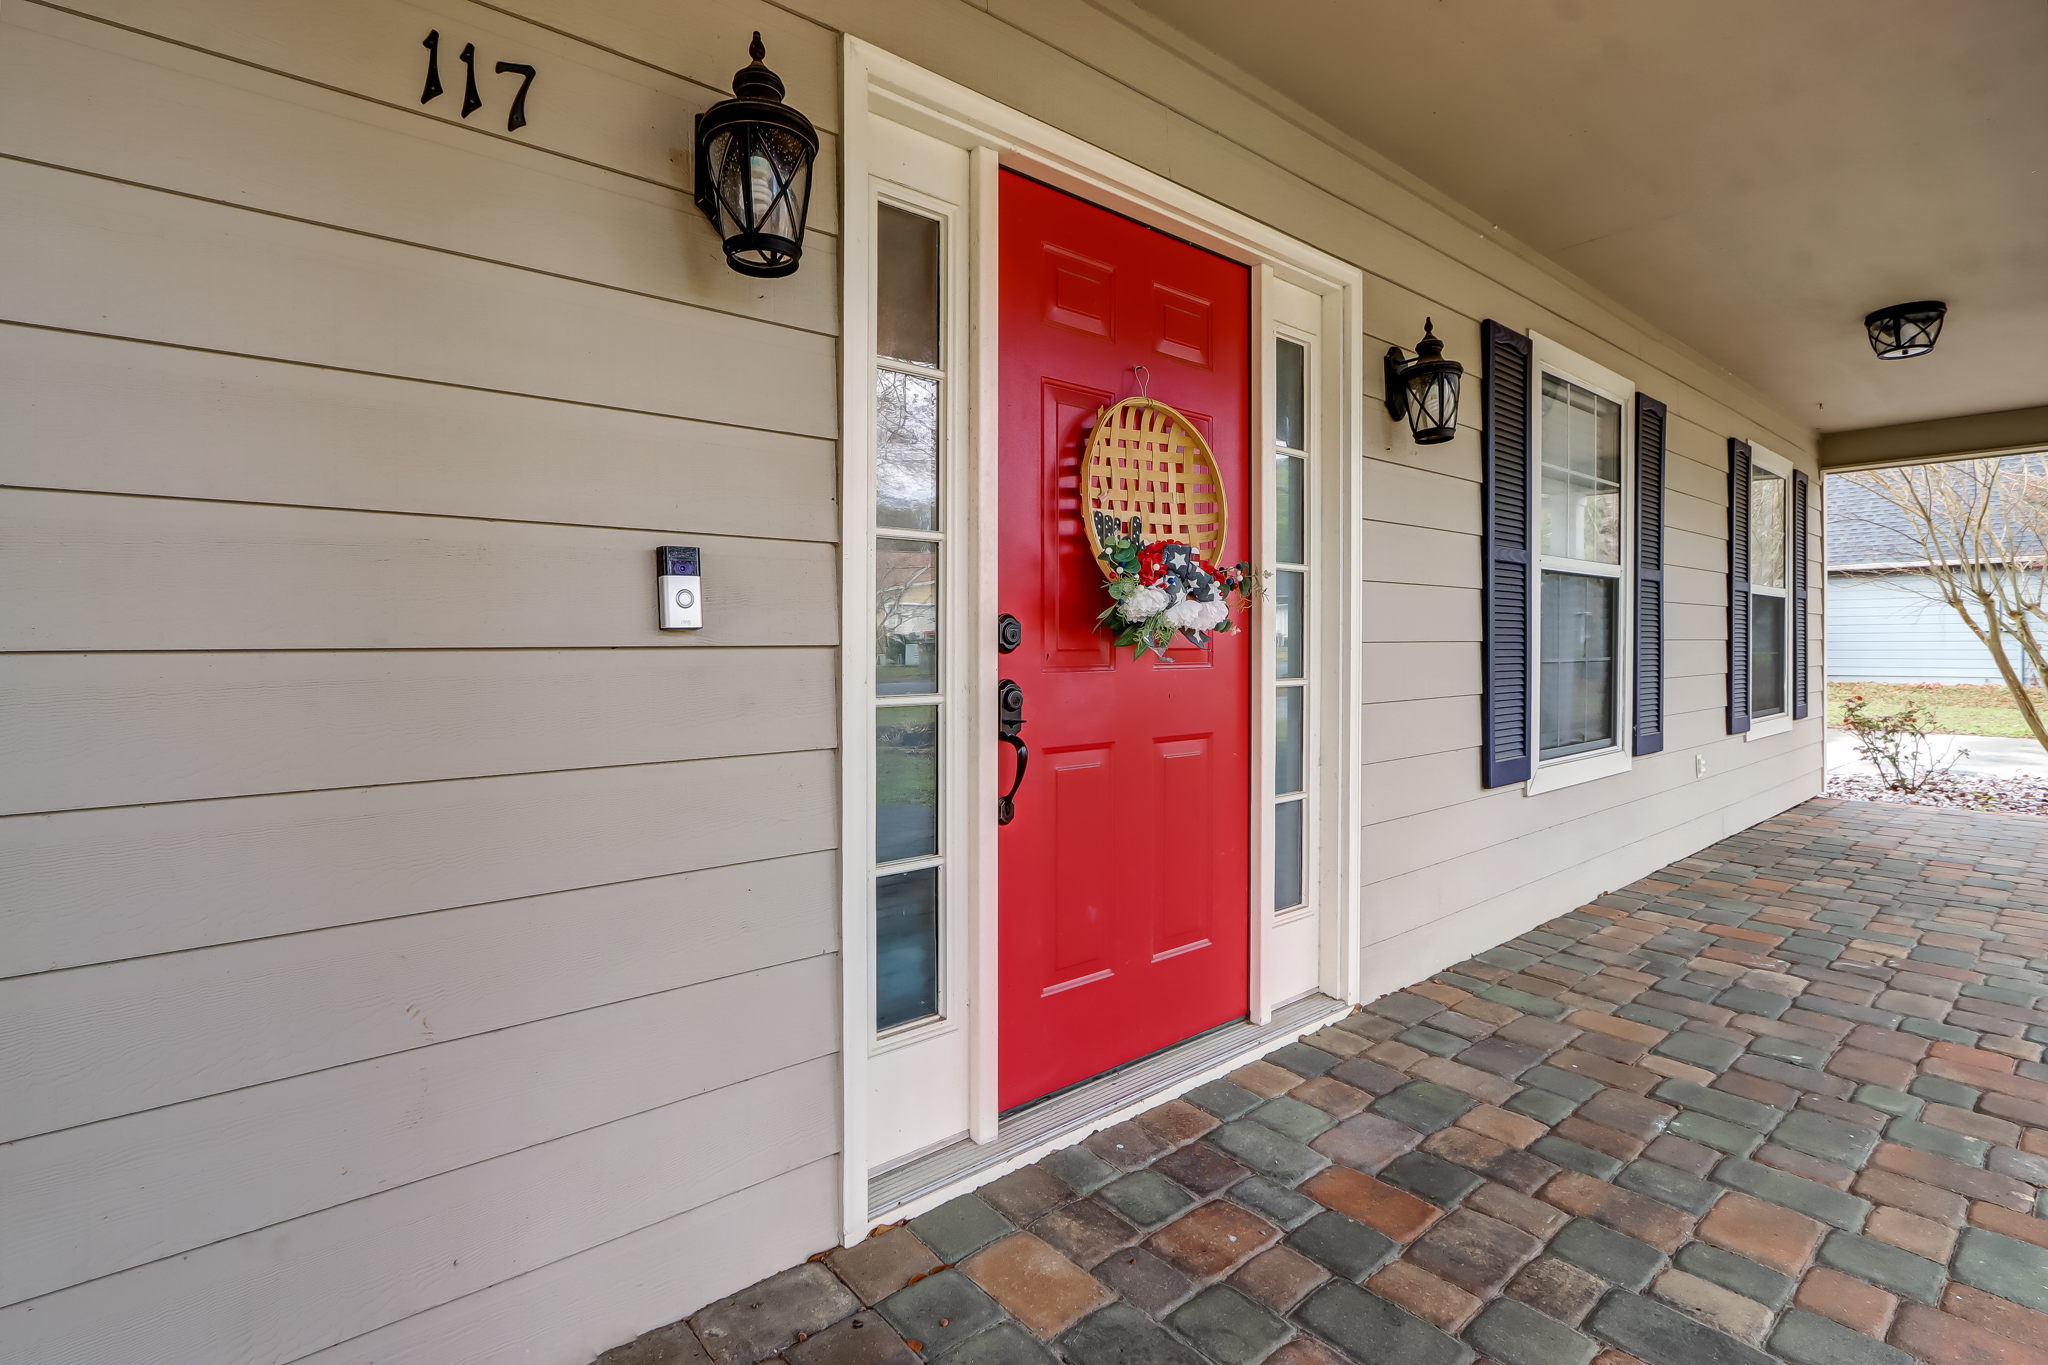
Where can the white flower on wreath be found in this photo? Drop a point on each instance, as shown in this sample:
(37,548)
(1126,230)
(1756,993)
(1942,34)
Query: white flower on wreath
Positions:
(1192,615)
(1142,604)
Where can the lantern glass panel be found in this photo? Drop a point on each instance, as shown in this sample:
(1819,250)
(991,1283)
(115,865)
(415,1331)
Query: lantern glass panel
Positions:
(1439,399)
(762,182)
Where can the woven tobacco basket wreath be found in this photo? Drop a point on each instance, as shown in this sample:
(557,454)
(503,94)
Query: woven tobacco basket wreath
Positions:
(1146,462)
(1156,519)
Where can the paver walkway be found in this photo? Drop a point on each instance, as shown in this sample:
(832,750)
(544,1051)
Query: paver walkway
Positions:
(1782,1101)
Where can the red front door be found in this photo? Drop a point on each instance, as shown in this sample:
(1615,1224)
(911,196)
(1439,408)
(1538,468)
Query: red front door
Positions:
(1125,877)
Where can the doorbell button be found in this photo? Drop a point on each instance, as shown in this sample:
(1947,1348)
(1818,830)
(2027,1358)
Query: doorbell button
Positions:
(679,587)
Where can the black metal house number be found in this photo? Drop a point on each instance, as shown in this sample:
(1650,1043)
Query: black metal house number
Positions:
(471,100)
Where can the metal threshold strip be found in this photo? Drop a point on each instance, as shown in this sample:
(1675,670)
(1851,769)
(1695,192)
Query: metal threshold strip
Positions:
(1075,1109)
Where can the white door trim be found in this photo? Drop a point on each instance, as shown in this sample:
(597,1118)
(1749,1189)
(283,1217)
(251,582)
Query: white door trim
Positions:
(878,84)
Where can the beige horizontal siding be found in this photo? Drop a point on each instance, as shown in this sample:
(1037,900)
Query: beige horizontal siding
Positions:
(1427,725)
(1441,849)
(1397,554)
(405,890)
(574,1308)
(238,576)
(124,729)
(126,261)
(99,885)
(408,1249)
(623,109)
(158,1183)
(1405,495)
(95,414)
(1511,907)
(213,128)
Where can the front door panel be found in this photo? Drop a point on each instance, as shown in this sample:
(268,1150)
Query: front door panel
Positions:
(1125,874)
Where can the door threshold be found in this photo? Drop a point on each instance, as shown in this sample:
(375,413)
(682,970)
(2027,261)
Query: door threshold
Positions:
(928,1180)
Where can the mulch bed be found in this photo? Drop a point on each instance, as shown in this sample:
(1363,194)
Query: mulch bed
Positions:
(2016,795)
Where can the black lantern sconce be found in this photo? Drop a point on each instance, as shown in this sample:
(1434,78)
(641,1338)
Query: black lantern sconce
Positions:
(1425,389)
(1905,330)
(754,156)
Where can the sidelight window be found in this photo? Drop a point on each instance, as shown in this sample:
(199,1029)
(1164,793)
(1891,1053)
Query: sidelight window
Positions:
(1291,710)
(910,543)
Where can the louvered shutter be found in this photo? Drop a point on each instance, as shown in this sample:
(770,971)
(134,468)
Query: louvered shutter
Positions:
(1738,586)
(1651,420)
(1507,656)
(1802,494)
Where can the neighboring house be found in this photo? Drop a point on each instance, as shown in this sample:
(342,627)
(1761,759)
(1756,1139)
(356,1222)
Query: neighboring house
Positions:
(411,953)
(1886,619)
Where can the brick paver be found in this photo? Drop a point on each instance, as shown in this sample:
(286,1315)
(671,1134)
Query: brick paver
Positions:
(1784,1100)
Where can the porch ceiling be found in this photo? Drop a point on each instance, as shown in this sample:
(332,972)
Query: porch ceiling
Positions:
(1750,175)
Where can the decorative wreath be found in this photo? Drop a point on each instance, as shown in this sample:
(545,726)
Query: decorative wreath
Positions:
(1148,463)
(1163,588)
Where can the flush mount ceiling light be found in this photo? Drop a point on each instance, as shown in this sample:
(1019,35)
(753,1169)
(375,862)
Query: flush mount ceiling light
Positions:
(1905,329)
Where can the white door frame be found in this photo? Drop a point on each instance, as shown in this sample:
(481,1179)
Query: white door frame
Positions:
(878,84)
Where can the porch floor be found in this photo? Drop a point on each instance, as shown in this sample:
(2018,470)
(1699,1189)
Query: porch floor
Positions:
(1783,1100)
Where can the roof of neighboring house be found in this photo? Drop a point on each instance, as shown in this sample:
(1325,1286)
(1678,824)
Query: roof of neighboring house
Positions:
(1866,531)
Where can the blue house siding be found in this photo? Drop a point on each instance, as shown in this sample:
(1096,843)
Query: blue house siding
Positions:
(1891,627)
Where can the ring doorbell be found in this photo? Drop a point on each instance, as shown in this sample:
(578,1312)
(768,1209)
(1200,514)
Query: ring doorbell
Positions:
(680,587)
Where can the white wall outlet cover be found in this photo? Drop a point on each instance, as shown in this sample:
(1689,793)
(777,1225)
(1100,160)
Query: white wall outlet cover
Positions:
(1699,765)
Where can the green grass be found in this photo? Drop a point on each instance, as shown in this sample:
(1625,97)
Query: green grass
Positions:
(1957,709)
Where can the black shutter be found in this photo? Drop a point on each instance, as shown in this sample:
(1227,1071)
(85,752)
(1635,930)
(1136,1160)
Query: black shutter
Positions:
(1506,656)
(1651,420)
(1802,494)
(1738,586)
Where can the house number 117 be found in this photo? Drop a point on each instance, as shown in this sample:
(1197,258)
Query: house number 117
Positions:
(471,101)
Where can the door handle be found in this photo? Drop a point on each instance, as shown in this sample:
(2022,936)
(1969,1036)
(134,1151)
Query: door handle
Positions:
(1009,720)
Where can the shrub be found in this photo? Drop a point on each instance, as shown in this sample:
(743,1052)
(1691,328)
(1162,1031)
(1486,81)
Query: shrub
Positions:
(1897,745)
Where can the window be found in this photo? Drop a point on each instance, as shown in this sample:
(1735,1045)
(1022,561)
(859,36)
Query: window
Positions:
(1580,648)
(1291,713)
(1770,662)
(910,395)
(1582,464)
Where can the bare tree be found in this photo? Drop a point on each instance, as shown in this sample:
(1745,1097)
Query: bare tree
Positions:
(1981,526)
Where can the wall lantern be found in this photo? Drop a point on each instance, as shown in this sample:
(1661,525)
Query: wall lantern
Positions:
(1905,329)
(754,156)
(1425,389)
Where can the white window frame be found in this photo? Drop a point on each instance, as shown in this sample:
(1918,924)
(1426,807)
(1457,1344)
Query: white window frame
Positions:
(1301,947)
(1550,357)
(951,374)
(1323,949)
(1770,462)
(1307,629)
